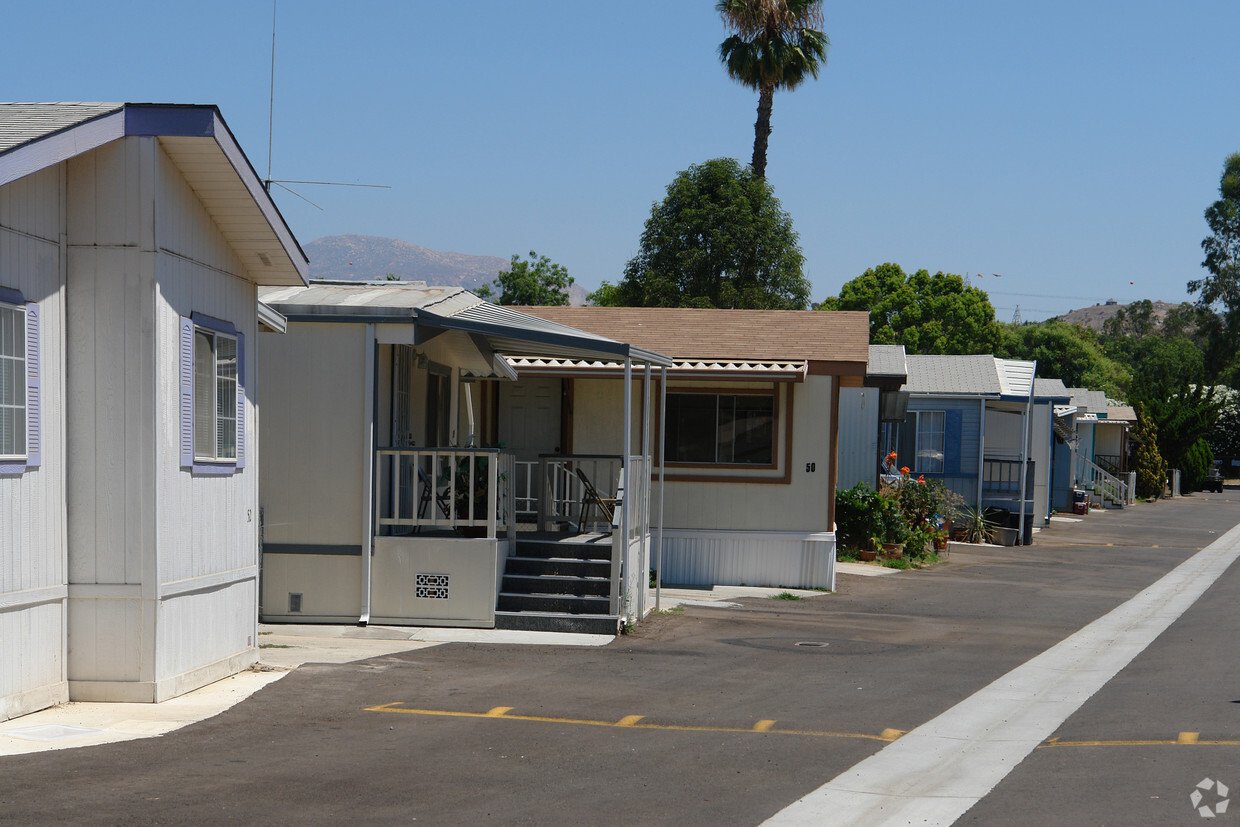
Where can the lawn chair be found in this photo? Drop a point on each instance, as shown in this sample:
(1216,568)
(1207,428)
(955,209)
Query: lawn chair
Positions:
(591,499)
(431,490)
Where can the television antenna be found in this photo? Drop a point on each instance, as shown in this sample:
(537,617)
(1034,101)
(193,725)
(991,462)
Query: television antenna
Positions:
(271,110)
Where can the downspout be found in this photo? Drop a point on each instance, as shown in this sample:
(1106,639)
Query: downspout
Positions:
(1024,458)
(644,588)
(469,412)
(981,455)
(368,471)
(626,503)
(658,564)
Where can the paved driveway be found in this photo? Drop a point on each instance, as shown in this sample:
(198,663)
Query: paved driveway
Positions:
(713,715)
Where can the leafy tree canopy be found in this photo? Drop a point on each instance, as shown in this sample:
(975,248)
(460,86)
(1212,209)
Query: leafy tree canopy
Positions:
(1067,352)
(927,314)
(536,281)
(1222,286)
(719,239)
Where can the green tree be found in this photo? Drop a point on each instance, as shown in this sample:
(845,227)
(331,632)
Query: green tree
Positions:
(719,239)
(536,281)
(1222,286)
(927,314)
(1151,470)
(1067,352)
(775,44)
(1182,420)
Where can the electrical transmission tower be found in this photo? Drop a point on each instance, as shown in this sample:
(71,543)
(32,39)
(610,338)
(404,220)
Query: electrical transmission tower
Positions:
(1016,315)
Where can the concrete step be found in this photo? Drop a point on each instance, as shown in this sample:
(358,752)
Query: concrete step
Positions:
(551,549)
(556,584)
(555,603)
(557,567)
(558,622)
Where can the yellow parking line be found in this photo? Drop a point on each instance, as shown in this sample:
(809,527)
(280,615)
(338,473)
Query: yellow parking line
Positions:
(1187,738)
(633,722)
(1183,739)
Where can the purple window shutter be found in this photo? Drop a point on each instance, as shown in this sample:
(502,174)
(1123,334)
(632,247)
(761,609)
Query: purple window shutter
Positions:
(34,418)
(187,392)
(240,400)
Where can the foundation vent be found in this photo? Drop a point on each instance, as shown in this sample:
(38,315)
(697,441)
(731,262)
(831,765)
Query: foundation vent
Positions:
(294,602)
(432,586)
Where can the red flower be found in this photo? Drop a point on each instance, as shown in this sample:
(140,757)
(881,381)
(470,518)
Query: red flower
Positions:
(904,470)
(922,478)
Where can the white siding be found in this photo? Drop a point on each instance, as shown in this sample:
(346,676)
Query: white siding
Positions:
(858,442)
(155,551)
(32,505)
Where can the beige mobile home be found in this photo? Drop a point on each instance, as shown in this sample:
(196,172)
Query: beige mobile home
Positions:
(132,241)
(383,498)
(749,431)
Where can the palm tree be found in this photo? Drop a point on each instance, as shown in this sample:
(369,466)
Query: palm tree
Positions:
(775,45)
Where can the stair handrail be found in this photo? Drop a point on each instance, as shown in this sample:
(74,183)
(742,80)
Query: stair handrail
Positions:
(1110,486)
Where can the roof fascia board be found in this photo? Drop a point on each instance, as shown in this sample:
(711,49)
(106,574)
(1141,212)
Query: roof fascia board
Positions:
(271,318)
(205,122)
(61,146)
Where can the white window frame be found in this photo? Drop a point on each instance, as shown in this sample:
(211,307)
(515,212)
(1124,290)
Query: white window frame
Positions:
(924,443)
(218,384)
(16,364)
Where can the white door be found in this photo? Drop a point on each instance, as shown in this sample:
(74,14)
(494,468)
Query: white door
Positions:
(529,425)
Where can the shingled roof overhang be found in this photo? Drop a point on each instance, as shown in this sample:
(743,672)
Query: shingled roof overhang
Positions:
(34,136)
(829,343)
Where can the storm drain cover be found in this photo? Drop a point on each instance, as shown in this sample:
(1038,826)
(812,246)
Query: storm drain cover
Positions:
(811,643)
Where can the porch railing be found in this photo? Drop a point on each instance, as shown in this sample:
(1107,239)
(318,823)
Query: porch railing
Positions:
(561,489)
(444,488)
(1002,477)
(1109,463)
(1093,477)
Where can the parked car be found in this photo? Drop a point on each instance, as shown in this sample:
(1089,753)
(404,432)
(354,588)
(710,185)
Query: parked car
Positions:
(1214,480)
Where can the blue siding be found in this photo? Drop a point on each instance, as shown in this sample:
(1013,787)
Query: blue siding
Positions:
(962,442)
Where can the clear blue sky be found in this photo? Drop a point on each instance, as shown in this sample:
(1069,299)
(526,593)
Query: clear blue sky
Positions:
(1069,146)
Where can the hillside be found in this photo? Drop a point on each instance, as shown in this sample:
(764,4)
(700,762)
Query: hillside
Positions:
(1094,317)
(371,258)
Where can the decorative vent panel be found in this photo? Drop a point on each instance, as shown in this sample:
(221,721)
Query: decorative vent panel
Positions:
(432,586)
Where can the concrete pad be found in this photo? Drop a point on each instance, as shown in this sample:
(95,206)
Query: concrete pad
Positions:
(863,569)
(722,597)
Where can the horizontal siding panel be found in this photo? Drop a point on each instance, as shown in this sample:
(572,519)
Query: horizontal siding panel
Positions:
(741,559)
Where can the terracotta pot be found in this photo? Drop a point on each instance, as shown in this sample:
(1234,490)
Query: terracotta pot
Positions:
(893,550)
(867,555)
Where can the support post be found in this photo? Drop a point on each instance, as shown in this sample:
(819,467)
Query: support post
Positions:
(369,500)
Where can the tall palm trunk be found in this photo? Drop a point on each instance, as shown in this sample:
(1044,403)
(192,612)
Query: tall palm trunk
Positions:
(762,130)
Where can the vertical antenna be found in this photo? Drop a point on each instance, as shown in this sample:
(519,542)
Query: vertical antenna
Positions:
(271,104)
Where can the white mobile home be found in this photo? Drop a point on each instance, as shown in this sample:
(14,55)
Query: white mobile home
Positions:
(132,241)
(382,502)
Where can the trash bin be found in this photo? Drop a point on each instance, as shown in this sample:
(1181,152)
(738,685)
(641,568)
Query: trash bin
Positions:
(1026,536)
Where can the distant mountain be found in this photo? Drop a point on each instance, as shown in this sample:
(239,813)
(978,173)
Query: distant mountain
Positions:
(371,258)
(1094,317)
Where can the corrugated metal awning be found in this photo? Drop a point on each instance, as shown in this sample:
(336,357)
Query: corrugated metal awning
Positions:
(679,369)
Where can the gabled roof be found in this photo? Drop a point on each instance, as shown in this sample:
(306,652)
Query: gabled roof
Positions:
(1044,388)
(836,340)
(34,136)
(1087,401)
(1121,413)
(970,376)
(506,330)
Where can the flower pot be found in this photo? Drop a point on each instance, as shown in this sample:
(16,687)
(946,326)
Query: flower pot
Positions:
(867,555)
(893,550)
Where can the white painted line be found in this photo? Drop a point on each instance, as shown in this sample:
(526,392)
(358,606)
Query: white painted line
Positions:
(934,774)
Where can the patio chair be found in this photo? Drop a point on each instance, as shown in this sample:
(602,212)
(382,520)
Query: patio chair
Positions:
(439,495)
(591,499)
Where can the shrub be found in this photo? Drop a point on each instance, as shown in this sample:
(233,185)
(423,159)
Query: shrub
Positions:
(862,513)
(1197,461)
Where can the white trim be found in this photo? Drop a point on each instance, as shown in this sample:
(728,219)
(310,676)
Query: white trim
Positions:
(61,146)
(207,581)
(32,597)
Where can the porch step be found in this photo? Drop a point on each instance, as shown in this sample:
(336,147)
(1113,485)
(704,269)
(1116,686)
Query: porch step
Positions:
(552,549)
(550,602)
(556,567)
(557,584)
(558,622)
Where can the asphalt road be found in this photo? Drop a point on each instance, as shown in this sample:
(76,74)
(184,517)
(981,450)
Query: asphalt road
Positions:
(719,716)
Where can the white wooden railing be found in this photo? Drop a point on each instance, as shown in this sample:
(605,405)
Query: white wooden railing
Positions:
(444,488)
(561,493)
(1093,477)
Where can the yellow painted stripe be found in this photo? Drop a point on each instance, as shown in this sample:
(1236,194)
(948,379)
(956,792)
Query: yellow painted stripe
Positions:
(501,712)
(891,734)
(763,725)
(1187,738)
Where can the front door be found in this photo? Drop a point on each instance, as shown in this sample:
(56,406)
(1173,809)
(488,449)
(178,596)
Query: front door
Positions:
(529,425)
